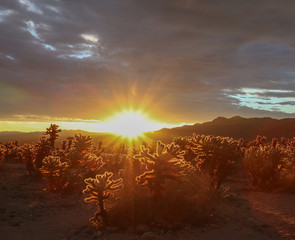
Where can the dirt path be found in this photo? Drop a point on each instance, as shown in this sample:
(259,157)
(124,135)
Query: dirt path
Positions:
(29,212)
(276,210)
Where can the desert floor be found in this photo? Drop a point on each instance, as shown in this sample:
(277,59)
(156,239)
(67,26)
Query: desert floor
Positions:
(27,211)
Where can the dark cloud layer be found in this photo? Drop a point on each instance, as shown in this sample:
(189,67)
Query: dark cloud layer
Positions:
(188,60)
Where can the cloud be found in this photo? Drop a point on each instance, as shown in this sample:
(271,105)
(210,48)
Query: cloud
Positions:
(30,6)
(89,37)
(187,58)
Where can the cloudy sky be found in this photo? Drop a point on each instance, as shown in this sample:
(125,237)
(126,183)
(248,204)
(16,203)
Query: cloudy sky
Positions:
(181,61)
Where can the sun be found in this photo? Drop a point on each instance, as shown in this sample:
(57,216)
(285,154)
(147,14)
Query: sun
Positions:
(130,123)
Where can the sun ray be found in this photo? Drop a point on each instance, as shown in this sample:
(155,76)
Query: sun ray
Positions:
(131,124)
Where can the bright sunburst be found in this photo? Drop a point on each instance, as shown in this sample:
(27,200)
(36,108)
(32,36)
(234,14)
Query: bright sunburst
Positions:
(131,124)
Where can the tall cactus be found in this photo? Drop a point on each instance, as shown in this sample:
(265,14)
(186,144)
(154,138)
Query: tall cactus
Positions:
(52,131)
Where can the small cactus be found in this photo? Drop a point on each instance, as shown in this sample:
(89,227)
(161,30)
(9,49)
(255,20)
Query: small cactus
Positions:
(100,188)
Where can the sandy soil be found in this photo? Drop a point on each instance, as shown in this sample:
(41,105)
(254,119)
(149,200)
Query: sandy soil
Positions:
(27,211)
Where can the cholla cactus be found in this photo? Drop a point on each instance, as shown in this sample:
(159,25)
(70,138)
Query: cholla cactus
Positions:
(264,164)
(82,143)
(215,156)
(100,188)
(185,144)
(2,152)
(52,131)
(12,151)
(91,164)
(27,154)
(42,149)
(166,163)
(54,171)
(114,162)
(80,146)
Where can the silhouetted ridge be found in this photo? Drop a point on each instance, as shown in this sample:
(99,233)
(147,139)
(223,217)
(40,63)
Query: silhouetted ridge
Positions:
(236,127)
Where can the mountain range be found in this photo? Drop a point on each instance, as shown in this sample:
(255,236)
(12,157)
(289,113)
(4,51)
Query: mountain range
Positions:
(235,127)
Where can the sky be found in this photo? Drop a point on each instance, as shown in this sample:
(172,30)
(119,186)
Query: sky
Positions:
(179,61)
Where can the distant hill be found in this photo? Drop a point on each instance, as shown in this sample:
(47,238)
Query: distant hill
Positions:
(235,127)
(23,137)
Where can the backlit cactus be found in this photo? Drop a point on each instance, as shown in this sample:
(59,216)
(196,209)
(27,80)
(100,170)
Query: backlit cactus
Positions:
(28,155)
(166,163)
(52,131)
(91,164)
(264,164)
(55,172)
(2,152)
(101,188)
(215,156)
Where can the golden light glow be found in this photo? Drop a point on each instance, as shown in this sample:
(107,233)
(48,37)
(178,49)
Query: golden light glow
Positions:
(131,124)
(128,123)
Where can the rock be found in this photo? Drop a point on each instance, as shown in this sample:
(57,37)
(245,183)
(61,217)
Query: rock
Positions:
(150,236)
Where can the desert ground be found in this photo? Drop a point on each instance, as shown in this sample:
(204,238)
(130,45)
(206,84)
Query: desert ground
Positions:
(28,211)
